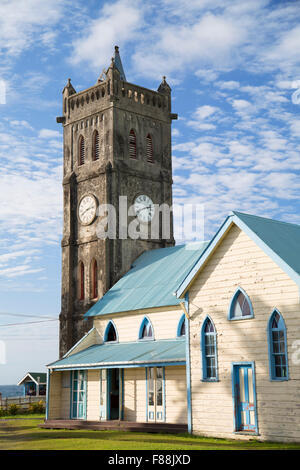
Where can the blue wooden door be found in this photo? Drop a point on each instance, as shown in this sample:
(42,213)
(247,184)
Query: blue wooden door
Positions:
(244,397)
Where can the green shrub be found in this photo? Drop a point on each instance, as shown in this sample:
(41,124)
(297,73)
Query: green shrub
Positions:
(13,409)
(3,412)
(38,407)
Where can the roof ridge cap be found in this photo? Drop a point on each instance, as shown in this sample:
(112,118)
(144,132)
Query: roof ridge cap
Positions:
(267,219)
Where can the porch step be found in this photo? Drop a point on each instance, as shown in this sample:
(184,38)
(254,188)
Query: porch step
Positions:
(114,425)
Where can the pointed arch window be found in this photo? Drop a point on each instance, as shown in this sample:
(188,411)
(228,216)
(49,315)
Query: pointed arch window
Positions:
(81,150)
(181,326)
(132,144)
(110,334)
(240,306)
(81,282)
(278,347)
(94,279)
(209,350)
(146,329)
(96,146)
(149,149)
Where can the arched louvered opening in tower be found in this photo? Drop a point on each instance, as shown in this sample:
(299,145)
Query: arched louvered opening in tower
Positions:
(96,146)
(81,150)
(149,149)
(132,144)
(94,279)
(81,281)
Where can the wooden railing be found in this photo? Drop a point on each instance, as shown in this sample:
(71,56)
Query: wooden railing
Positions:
(22,402)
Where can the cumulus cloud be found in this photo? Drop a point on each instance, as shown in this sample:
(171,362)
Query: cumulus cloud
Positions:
(20,20)
(117,23)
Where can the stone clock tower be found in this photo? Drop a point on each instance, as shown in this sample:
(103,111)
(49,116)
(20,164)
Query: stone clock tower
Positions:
(117,142)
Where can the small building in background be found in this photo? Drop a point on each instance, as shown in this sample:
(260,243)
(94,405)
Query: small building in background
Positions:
(34,384)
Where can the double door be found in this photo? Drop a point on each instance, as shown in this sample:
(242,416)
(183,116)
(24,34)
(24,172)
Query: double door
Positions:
(155,394)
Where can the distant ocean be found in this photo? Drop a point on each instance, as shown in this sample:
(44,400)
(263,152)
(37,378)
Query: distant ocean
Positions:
(11,391)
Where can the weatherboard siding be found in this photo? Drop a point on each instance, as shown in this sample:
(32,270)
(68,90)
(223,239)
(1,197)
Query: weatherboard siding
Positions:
(55,396)
(93,395)
(175,395)
(239,262)
(164,321)
(135,395)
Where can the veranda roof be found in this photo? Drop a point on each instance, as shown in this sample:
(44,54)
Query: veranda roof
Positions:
(132,354)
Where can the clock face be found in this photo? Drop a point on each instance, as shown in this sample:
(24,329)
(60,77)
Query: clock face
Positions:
(87,209)
(144,208)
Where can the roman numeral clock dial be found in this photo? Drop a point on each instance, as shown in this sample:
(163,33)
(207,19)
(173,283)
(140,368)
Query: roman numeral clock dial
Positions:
(87,209)
(144,208)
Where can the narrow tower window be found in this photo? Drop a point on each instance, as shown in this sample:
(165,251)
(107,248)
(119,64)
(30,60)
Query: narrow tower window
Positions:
(132,144)
(96,148)
(81,150)
(94,279)
(81,281)
(149,149)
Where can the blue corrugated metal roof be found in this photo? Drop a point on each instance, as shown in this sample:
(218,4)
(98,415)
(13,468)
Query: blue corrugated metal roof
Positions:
(152,280)
(126,354)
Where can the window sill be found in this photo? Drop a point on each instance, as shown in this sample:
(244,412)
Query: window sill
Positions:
(279,380)
(241,318)
(210,380)
(247,433)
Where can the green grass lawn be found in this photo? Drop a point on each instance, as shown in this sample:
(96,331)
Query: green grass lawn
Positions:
(24,433)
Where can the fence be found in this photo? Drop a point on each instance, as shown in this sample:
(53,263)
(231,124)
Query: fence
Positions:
(22,402)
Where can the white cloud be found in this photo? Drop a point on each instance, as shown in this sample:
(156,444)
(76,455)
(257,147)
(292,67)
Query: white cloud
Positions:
(25,124)
(207,75)
(202,117)
(21,19)
(286,52)
(117,23)
(230,85)
(49,134)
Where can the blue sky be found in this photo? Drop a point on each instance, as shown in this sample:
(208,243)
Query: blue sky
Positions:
(234,69)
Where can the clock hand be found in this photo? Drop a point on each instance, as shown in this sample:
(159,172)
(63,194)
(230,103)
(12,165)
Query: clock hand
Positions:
(91,207)
(147,207)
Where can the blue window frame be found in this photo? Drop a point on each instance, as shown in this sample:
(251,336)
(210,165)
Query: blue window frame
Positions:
(146,330)
(181,326)
(209,351)
(277,347)
(240,306)
(110,335)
